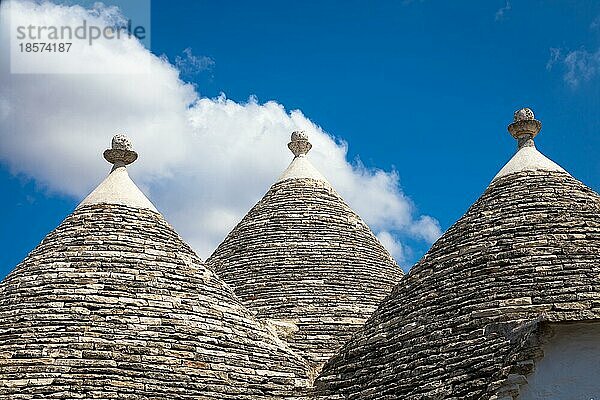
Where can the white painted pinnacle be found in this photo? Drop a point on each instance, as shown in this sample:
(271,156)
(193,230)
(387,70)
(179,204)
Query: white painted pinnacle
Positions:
(300,167)
(118,188)
(527,158)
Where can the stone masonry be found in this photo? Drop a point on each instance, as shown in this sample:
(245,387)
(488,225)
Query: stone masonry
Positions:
(114,305)
(468,320)
(305,263)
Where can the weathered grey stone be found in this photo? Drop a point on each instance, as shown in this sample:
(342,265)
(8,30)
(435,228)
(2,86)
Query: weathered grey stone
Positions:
(114,305)
(108,336)
(481,313)
(305,263)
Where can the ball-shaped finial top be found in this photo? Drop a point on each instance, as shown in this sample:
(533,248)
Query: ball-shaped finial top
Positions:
(121,153)
(524,127)
(299,144)
(524,114)
(299,135)
(121,142)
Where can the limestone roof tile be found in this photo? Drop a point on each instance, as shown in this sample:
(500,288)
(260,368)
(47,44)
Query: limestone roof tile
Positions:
(305,262)
(466,322)
(114,304)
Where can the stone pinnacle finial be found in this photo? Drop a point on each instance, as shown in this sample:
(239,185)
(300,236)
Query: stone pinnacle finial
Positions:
(299,144)
(121,153)
(524,127)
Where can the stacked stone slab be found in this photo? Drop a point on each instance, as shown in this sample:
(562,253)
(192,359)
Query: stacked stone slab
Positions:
(114,305)
(305,263)
(468,320)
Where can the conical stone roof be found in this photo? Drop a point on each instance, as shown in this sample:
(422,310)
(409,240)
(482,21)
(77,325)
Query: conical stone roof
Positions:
(114,304)
(304,262)
(468,320)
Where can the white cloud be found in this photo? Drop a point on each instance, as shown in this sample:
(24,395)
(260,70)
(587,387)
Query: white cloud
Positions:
(501,12)
(426,228)
(191,64)
(555,56)
(204,162)
(579,66)
(595,23)
(392,245)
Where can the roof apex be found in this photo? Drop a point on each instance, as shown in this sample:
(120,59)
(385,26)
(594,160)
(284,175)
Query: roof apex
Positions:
(118,188)
(528,158)
(300,167)
(524,129)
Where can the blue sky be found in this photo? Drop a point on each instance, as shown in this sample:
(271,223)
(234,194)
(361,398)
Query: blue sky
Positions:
(423,87)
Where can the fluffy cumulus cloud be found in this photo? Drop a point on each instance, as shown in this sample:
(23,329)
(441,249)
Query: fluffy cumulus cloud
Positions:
(392,245)
(203,161)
